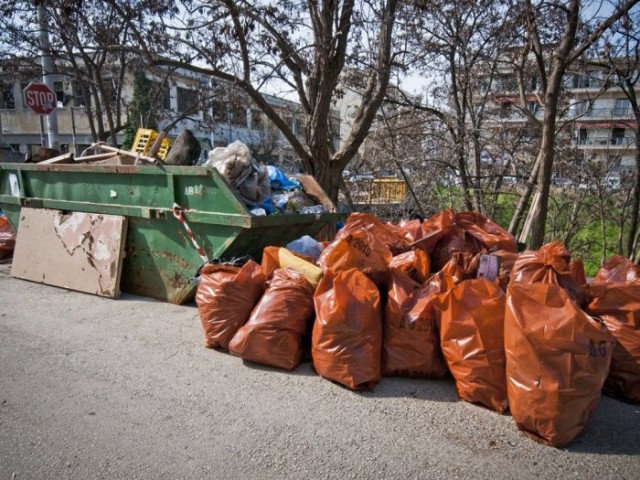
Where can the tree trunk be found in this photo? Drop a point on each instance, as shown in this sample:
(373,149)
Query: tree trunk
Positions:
(635,205)
(547,154)
(518,215)
(539,211)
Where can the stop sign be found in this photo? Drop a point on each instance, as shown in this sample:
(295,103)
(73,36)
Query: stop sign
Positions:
(40,98)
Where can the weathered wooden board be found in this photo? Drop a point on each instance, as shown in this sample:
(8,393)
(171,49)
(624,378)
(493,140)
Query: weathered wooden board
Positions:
(79,251)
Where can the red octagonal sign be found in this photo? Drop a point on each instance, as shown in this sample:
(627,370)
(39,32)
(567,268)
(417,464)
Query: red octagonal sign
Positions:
(40,98)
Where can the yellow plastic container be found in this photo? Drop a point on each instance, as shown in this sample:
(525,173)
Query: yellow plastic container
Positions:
(144,140)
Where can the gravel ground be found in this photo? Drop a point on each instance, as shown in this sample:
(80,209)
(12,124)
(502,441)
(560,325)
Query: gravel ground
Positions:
(98,388)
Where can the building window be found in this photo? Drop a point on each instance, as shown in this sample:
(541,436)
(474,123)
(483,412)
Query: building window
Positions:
(622,108)
(161,95)
(583,136)
(257,120)
(505,109)
(580,107)
(7,99)
(288,119)
(533,107)
(58,88)
(237,112)
(218,110)
(301,126)
(78,94)
(617,136)
(187,100)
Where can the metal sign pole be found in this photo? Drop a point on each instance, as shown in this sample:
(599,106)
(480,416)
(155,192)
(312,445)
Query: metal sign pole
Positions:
(42,142)
(73,131)
(47,70)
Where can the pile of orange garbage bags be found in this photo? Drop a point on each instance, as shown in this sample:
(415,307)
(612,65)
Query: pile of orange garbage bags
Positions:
(523,333)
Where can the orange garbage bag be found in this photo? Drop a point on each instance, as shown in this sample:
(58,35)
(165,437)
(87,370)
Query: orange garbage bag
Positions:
(618,305)
(507,261)
(491,235)
(361,250)
(471,336)
(468,232)
(225,297)
(394,237)
(557,360)
(274,333)
(411,342)
(346,344)
(552,264)
(462,266)
(414,263)
(617,269)
(7,238)
(434,228)
(271,260)
(412,229)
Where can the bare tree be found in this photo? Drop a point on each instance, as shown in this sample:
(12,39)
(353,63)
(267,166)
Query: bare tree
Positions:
(85,40)
(622,58)
(301,46)
(460,44)
(554,50)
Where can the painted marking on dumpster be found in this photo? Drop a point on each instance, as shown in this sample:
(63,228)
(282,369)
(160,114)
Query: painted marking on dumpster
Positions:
(13,184)
(193,190)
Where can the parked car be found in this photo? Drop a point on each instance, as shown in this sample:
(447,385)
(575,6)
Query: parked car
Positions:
(561,182)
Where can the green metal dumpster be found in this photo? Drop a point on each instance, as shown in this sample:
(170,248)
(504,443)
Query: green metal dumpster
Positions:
(160,259)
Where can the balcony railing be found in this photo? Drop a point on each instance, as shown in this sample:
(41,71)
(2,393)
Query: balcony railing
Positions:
(622,142)
(615,112)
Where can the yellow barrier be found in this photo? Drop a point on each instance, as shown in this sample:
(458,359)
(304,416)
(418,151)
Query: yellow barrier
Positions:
(378,190)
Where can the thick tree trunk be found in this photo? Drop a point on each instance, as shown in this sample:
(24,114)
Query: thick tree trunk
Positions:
(546,156)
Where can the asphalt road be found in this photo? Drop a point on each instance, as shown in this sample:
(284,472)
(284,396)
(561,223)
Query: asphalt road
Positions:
(98,388)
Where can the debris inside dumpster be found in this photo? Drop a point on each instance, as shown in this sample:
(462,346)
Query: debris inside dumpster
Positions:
(244,174)
(279,323)
(558,358)
(225,297)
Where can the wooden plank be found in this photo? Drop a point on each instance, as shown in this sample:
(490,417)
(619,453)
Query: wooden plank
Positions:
(64,158)
(78,251)
(135,155)
(95,158)
(311,188)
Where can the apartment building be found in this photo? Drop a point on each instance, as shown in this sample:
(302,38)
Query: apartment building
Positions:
(604,123)
(596,117)
(230,116)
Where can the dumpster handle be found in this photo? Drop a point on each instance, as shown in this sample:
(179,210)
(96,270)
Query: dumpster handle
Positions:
(178,212)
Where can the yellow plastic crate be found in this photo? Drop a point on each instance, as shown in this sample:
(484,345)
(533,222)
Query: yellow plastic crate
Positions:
(144,140)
